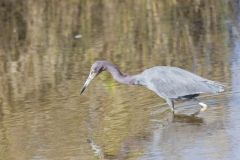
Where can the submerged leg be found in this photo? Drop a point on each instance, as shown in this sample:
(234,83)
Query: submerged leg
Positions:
(170,102)
(203,105)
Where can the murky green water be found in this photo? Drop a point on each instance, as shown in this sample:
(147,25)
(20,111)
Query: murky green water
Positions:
(46,51)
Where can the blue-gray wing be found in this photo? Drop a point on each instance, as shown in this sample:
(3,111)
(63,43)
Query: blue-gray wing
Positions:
(173,82)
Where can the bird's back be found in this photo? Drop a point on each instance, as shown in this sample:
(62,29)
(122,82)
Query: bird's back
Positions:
(173,82)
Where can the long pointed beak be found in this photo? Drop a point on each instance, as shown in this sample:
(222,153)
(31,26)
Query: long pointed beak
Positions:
(91,76)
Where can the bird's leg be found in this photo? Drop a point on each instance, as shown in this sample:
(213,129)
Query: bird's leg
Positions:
(170,102)
(203,105)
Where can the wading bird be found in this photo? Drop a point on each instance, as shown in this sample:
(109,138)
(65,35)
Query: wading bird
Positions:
(170,83)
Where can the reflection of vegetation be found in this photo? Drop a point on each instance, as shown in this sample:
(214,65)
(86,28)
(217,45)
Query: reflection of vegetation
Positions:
(147,32)
(38,52)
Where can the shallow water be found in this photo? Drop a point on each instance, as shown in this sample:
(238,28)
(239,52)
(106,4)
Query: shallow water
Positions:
(47,49)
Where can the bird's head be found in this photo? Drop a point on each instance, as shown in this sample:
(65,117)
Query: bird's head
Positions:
(96,69)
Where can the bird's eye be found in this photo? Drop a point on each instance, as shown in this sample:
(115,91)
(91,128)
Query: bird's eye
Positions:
(95,70)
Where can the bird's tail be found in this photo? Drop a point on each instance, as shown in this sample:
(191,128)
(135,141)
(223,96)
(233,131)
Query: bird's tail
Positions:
(216,86)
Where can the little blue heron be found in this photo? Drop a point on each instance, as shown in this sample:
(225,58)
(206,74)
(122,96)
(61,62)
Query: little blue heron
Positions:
(170,83)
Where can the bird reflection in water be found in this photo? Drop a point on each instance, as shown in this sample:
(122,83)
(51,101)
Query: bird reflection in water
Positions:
(189,119)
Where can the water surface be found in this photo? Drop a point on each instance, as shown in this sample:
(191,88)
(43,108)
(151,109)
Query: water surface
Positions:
(47,49)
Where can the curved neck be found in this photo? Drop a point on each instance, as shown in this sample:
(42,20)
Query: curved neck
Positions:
(118,76)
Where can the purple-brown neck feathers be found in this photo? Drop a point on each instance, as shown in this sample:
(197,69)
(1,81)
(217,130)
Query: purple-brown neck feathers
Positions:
(116,73)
